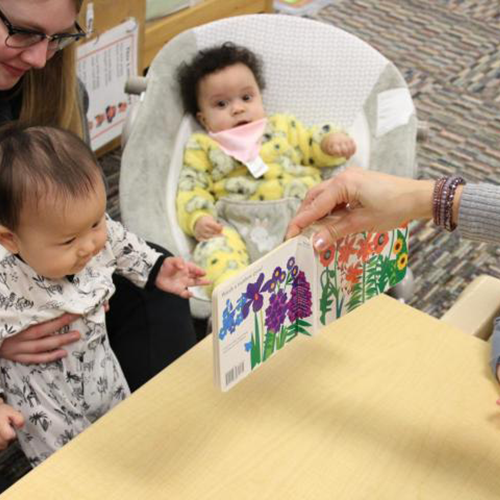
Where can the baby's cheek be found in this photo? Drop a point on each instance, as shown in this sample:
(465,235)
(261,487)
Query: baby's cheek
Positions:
(104,239)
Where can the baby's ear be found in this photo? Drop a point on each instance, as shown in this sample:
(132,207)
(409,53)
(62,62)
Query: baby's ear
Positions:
(8,240)
(201,119)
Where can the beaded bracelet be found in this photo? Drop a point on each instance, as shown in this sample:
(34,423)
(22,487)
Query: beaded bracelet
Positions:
(436,197)
(442,201)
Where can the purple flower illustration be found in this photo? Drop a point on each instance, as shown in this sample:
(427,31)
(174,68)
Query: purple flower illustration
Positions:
(300,303)
(277,277)
(276,311)
(290,263)
(253,296)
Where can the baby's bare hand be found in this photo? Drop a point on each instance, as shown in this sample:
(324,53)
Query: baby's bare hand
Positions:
(176,276)
(339,145)
(206,227)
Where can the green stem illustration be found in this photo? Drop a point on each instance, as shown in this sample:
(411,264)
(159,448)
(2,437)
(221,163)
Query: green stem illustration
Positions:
(262,329)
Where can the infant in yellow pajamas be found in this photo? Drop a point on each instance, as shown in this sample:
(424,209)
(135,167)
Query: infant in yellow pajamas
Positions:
(245,157)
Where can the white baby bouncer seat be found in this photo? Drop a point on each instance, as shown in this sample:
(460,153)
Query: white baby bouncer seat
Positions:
(312,70)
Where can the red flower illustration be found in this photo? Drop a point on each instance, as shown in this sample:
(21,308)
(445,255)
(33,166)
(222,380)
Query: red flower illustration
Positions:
(365,248)
(327,256)
(353,273)
(379,242)
(346,249)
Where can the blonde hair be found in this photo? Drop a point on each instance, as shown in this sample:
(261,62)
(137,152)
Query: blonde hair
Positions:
(50,95)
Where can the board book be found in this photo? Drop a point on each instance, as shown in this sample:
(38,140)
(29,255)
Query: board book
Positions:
(293,291)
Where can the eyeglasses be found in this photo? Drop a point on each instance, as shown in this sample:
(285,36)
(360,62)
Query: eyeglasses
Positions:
(20,38)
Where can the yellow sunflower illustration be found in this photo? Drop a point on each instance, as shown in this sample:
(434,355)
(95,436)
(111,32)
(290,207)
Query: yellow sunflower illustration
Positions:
(398,246)
(402,261)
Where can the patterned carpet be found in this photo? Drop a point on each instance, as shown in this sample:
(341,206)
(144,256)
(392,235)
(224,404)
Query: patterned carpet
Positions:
(448,51)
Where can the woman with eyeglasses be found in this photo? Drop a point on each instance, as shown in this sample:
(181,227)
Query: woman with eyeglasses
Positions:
(148,329)
(37,79)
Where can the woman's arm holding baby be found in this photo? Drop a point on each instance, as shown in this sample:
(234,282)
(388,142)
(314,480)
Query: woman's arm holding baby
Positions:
(38,343)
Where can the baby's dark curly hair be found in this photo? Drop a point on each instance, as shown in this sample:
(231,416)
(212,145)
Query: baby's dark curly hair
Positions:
(210,61)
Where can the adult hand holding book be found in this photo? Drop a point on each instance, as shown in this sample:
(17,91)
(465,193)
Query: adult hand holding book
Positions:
(360,200)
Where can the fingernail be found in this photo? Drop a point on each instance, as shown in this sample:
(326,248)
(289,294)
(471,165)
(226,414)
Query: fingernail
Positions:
(319,243)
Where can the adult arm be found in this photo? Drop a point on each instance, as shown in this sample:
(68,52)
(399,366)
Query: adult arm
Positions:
(38,344)
(379,202)
(163,320)
(479,213)
(359,200)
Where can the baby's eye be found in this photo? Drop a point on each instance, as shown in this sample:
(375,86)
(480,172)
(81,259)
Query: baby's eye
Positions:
(96,224)
(221,104)
(67,242)
(247,97)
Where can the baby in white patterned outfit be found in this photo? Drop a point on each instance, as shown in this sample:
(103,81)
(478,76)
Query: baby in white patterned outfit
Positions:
(63,250)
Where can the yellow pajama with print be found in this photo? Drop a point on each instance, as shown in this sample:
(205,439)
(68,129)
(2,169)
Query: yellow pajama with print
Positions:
(222,256)
(293,155)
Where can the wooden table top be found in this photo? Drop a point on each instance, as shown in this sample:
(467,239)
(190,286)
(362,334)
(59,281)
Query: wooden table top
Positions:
(385,403)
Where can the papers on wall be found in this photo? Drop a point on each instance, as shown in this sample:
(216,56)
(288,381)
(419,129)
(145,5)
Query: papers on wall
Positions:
(104,65)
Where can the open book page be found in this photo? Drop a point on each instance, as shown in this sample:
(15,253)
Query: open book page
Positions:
(293,291)
(357,268)
(262,309)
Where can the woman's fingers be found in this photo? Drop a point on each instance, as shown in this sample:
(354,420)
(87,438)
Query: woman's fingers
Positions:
(50,343)
(319,202)
(42,357)
(47,328)
(338,225)
(39,344)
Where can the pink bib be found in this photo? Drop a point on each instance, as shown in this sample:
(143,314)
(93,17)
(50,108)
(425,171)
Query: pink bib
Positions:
(243,142)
